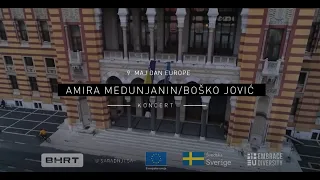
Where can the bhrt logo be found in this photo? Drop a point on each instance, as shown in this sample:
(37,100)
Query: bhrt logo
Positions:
(264,159)
(62,160)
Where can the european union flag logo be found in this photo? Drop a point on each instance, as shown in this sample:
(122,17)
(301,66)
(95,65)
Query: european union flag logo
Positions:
(156,158)
(193,158)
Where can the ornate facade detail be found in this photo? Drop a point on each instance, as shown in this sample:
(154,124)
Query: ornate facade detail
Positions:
(70,14)
(1,15)
(40,13)
(280,16)
(244,19)
(17,13)
(98,17)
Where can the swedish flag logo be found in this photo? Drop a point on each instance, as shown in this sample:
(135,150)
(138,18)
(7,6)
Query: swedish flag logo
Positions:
(193,158)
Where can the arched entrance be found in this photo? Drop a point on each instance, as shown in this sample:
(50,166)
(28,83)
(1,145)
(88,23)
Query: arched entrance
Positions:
(116,111)
(169,113)
(136,111)
(84,112)
(217,109)
(193,113)
(259,126)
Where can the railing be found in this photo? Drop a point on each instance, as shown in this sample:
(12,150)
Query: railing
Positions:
(139,56)
(225,61)
(218,61)
(75,58)
(51,70)
(271,67)
(10,68)
(112,55)
(300,88)
(194,59)
(30,69)
(166,57)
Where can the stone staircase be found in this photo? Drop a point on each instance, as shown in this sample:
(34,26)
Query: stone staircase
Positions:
(138,143)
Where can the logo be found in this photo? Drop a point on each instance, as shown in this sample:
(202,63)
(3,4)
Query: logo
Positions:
(62,160)
(264,159)
(193,158)
(156,159)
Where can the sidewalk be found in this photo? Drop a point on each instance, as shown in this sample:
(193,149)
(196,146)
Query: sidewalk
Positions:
(134,145)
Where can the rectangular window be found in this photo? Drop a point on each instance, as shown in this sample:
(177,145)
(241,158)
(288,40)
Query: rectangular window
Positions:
(57,107)
(75,38)
(44,31)
(18,103)
(22,30)
(37,105)
(8,60)
(314,37)
(14,82)
(50,62)
(273,44)
(3,35)
(54,85)
(28,61)
(33,84)
(294,107)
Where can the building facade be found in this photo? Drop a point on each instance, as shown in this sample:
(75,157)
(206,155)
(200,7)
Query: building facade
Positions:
(42,47)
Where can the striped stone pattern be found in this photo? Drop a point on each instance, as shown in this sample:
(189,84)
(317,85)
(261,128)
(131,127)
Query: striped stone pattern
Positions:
(17,52)
(93,46)
(309,104)
(281,104)
(59,38)
(249,58)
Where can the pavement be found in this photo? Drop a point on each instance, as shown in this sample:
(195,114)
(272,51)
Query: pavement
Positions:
(310,155)
(21,151)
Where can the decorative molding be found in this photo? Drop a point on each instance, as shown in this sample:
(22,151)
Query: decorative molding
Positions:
(244,19)
(70,14)
(280,16)
(40,13)
(98,18)
(17,13)
(123,16)
(212,16)
(181,13)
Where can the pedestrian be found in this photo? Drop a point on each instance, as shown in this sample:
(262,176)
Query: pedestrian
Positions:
(3,104)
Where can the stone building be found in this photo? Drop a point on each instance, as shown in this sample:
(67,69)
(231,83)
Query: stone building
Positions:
(42,47)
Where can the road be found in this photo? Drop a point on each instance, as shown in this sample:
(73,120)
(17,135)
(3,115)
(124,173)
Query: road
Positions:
(26,157)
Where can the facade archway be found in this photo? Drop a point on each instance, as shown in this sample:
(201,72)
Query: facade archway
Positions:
(138,111)
(259,126)
(168,113)
(84,112)
(217,109)
(193,113)
(115,111)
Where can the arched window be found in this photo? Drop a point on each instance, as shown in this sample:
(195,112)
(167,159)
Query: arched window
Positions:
(129,32)
(145,33)
(225,34)
(170,30)
(198,30)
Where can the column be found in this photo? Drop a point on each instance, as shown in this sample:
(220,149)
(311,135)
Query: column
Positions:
(183,109)
(160,29)
(128,99)
(120,101)
(178,104)
(151,13)
(241,28)
(139,109)
(137,28)
(212,15)
(181,13)
(123,15)
(205,103)
(160,111)
(153,116)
